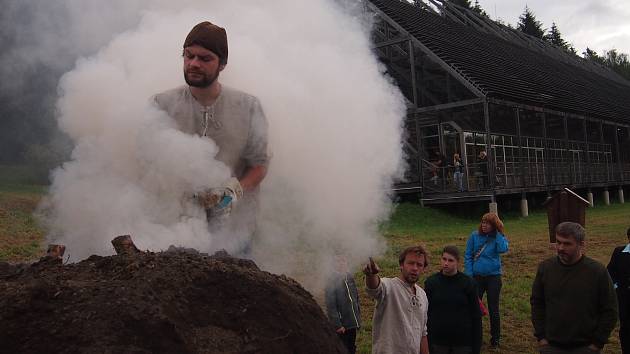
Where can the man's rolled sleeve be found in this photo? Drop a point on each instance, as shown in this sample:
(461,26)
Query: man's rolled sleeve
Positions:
(255,153)
(378,293)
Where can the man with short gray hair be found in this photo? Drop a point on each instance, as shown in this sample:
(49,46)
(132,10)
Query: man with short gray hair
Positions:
(574,308)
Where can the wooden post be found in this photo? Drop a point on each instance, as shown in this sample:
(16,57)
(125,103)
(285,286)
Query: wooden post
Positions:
(521,166)
(489,153)
(55,251)
(572,177)
(124,245)
(586,151)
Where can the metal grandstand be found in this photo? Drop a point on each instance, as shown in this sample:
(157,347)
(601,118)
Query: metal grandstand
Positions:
(546,118)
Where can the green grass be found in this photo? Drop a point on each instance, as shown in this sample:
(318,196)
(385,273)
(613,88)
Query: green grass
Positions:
(19,179)
(21,237)
(529,244)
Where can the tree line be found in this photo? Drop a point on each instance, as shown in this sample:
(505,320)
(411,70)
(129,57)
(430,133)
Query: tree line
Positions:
(529,24)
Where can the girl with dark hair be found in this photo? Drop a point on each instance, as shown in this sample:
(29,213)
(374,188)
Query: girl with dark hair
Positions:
(483,263)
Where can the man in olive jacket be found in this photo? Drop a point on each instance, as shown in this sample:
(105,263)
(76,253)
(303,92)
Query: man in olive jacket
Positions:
(574,307)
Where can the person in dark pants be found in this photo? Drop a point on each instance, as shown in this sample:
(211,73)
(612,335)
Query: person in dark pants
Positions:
(438,161)
(342,303)
(454,317)
(483,262)
(619,270)
(482,170)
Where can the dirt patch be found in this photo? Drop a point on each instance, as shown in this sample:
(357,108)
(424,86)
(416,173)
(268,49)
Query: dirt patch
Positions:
(170,302)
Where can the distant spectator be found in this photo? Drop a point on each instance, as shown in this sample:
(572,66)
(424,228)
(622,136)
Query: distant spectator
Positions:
(619,270)
(342,303)
(573,300)
(482,170)
(458,173)
(483,263)
(454,324)
(438,161)
(400,317)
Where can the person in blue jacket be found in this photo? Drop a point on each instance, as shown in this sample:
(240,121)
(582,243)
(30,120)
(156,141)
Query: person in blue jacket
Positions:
(483,262)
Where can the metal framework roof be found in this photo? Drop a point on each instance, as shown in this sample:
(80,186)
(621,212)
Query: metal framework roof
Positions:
(505,69)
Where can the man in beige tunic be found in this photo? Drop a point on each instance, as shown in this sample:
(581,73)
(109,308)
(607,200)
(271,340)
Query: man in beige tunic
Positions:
(400,317)
(234,120)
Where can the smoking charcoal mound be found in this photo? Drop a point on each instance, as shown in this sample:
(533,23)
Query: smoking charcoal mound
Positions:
(167,302)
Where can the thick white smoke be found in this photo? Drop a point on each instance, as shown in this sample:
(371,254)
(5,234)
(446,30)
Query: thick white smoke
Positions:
(334,120)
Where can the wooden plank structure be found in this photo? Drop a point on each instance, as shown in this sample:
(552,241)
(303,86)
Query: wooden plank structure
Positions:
(565,206)
(546,119)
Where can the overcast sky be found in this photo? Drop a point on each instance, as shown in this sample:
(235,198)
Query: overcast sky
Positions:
(598,24)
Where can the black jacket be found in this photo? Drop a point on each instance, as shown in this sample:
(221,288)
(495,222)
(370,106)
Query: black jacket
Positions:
(454,316)
(619,270)
(342,301)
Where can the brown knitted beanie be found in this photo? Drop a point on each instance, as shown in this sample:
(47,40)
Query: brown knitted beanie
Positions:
(211,37)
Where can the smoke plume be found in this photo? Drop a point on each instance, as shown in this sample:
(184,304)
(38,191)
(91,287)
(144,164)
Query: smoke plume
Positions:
(334,125)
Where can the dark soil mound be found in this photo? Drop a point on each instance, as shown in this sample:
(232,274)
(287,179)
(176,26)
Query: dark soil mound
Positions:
(172,302)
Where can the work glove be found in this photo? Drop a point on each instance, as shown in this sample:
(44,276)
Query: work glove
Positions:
(220,201)
(233,186)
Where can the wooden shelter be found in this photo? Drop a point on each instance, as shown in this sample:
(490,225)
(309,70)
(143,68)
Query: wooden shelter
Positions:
(565,206)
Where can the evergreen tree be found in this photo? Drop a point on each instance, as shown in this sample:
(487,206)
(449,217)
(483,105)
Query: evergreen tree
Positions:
(466,4)
(530,25)
(477,8)
(462,3)
(592,55)
(554,37)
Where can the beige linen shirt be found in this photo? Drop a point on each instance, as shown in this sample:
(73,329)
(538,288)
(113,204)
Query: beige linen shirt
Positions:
(400,318)
(235,122)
